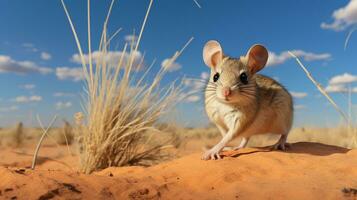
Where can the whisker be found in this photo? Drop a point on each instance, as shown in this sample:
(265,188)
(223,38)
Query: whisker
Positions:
(212,83)
(211,87)
(211,98)
(248,95)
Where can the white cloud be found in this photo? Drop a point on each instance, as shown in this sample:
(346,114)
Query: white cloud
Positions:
(277,59)
(63,105)
(336,88)
(8,109)
(66,73)
(204,75)
(28,86)
(343,17)
(298,95)
(343,79)
(30,47)
(337,84)
(7,64)
(192,98)
(111,58)
(194,85)
(131,39)
(299,107)
(340,88)
(27,99)
(63,94)
(45,56)
(174,66)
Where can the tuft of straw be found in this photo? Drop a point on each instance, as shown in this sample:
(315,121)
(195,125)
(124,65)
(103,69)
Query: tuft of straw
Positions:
(121,108)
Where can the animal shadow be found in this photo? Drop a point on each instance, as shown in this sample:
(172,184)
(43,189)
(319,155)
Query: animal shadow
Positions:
(311,148)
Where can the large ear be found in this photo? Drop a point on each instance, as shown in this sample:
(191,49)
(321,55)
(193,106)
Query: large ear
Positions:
(212,53)
(257,58)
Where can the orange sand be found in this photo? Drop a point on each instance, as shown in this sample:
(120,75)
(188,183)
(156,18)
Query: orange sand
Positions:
(306,171)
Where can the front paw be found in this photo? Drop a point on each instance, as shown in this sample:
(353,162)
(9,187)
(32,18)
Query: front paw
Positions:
(212,154)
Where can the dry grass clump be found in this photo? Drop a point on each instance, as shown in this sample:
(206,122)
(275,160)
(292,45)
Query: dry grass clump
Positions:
(339,136)
(65,135)
(173,133)
(209,132)
(18,134)
(14,136)
(121,108)
(179,136)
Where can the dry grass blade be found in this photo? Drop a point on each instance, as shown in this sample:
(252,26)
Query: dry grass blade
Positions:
(320,88)
(196,2)
(139,37)
(41,139)
(65,136)
(75,37)
(348,38)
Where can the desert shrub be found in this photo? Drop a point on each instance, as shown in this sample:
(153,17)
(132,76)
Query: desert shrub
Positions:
(174,134)
(337,136)
(14,136)
(65,134)
(19,134)
(209,132)
(121,107)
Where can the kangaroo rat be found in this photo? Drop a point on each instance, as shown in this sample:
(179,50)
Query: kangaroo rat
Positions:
(242,103)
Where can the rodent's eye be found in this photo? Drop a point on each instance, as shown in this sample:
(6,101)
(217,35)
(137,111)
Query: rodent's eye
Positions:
(243,78)
(216,77)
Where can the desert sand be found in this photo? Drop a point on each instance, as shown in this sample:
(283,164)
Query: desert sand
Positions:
(305,171)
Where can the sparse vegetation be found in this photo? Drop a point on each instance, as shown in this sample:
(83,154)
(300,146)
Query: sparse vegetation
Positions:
(128,141)
(339,136)
(65,135)
(121,108)
(13,136)
(18,135)
(173,133)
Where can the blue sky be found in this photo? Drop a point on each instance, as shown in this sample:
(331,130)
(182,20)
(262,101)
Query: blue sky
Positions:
(38,76)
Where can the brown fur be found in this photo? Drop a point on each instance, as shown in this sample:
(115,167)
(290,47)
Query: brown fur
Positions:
(253,105)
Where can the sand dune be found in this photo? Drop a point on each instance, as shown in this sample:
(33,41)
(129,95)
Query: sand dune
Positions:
(306,171)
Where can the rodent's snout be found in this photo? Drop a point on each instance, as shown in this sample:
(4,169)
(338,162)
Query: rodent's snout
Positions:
(226,91)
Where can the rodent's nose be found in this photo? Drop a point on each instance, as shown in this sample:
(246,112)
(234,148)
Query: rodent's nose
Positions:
(226,91)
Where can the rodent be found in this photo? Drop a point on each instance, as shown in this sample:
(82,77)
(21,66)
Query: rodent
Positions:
(242,103)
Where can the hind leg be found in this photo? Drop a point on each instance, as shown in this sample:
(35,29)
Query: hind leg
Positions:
(242,144)
(281,144)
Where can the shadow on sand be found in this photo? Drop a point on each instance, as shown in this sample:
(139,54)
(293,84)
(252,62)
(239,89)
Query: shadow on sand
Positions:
(311,148)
